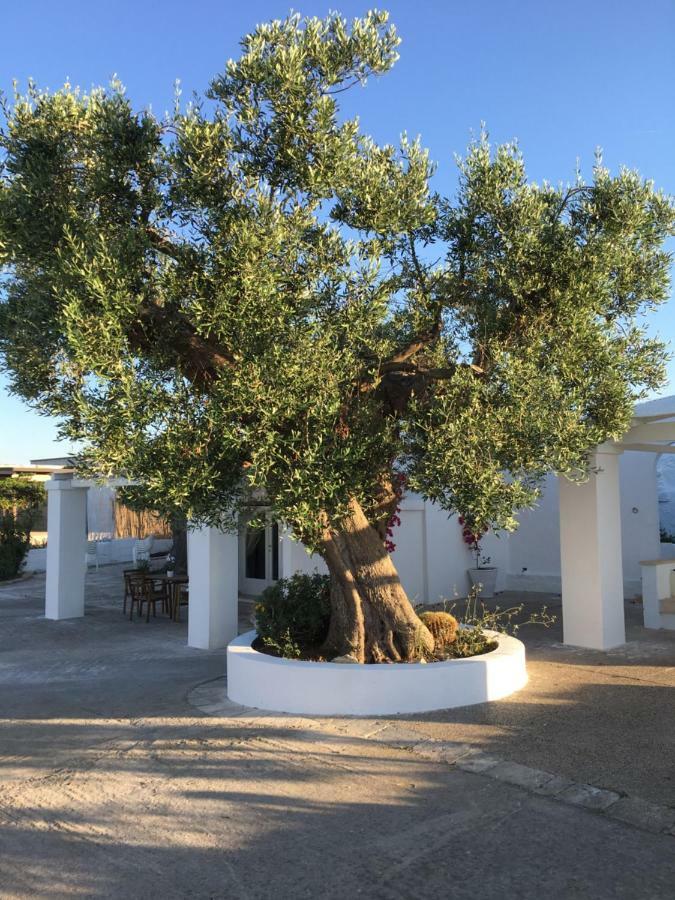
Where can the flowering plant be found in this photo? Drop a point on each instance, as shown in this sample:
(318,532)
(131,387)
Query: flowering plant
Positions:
(472,533)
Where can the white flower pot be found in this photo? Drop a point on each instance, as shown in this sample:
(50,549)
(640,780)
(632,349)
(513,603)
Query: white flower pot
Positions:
(487,578)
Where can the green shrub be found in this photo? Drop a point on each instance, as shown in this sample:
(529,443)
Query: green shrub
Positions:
(292,615)
(14,547)
(20,498)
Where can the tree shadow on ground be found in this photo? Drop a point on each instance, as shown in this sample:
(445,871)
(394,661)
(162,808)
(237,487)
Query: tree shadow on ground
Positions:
(298,815)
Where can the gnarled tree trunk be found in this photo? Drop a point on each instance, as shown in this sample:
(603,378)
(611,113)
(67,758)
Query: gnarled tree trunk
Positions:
(371,616)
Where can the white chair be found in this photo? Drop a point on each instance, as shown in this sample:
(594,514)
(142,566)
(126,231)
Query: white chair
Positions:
(91,556)
(142,549)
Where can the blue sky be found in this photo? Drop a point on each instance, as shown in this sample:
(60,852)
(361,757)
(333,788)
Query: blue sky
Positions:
(562,77)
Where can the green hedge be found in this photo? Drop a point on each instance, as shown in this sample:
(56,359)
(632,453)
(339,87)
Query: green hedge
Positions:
(20,498)
(14,547)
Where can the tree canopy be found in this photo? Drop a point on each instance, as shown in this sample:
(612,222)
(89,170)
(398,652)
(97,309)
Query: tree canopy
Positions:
(252,295)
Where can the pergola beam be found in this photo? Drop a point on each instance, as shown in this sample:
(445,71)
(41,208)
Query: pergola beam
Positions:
(651,432)
(647,448)
(657,417)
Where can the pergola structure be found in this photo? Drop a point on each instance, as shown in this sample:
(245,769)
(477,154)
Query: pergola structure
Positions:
(590,537)
(213,565)
(590,551)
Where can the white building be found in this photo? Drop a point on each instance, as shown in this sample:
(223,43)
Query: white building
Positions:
(585,540)
(432,559)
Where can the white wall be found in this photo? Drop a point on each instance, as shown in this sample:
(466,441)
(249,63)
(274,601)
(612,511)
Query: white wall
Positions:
(432,558)
(639,517)
(109,552)
(665,479)
(100,514)
(430,555)
(301,561)
(534,562)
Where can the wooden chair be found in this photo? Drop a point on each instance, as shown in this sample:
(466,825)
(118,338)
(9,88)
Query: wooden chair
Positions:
(129,576)
(155,591)
(144,591)
(137,592)
(181,597)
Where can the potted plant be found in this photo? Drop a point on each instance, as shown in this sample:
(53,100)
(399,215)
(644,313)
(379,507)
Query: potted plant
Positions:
(482,575)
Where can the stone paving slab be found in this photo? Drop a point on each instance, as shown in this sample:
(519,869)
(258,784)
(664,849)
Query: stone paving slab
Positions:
(588,796)
(641,814)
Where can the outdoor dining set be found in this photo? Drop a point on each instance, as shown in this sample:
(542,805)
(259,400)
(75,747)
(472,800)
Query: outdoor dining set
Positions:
(144,590)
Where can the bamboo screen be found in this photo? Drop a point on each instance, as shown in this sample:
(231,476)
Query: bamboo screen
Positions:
(129,523)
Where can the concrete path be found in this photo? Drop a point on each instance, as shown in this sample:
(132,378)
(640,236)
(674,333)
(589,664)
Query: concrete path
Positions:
(124,773)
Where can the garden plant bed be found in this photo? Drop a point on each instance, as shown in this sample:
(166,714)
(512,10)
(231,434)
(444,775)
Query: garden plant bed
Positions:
(303,687)
(455,650)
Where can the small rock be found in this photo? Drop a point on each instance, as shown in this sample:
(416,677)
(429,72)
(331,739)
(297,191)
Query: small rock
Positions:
(347,658)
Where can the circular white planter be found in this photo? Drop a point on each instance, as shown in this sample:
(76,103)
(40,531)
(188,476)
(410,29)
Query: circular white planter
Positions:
(314,688)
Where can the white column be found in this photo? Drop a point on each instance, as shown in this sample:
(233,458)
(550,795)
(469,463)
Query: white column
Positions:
(213,570)
(66,548)
(590,556)
(657,593)
(285,552)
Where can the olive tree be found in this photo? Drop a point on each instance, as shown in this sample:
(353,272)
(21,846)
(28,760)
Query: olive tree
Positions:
(250,300)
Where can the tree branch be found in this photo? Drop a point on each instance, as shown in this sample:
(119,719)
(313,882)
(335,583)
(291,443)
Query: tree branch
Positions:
(159,329)
(582,188)
(162,243)
(421,274)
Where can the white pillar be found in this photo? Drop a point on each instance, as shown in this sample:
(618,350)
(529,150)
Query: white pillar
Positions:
(285,552)
(213,570)
(657,593)
(66,548)
(590,556)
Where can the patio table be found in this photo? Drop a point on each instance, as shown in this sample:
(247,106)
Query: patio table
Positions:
(174,585)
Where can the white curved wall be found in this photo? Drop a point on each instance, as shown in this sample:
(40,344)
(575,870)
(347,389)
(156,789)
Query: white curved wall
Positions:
(313,688)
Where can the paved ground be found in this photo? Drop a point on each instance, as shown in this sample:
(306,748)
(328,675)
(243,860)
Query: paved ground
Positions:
(116,782)
(604,718)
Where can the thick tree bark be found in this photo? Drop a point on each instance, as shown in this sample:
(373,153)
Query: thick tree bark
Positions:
(179,550)
(371,616)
